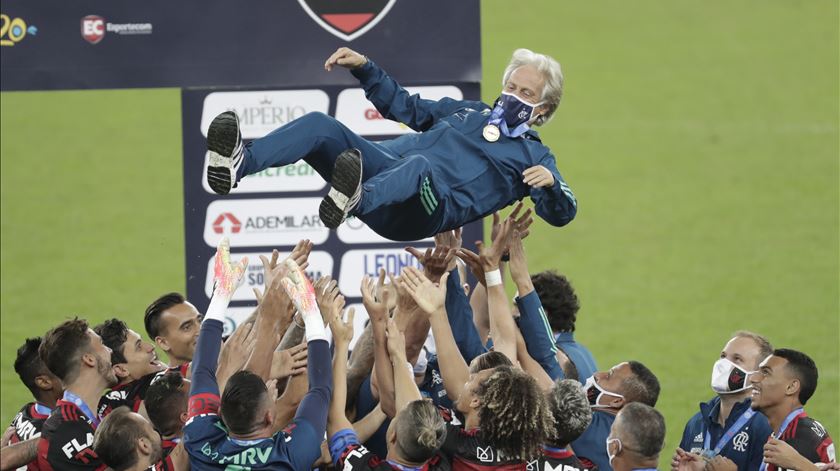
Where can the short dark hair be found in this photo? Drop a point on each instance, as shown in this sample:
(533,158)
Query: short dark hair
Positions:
(490,360)
(165,401)
(570,408)
(115,440)
(241,401)
(644,427)
(803,368)
(28,364)
(151,319)
(114,333)
(558,299)
(643,386)
(62,348)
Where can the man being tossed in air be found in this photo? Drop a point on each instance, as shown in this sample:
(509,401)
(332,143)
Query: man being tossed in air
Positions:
(467,159)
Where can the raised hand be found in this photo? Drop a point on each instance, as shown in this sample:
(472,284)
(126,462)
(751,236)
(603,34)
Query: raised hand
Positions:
(299,288)
(473,261)
(289,362)
(377,309)
(346,58)
(396,342)
(227,276)
(343,331)
(435,261)
(426,294)
(235,351)
(329,298)
(300,254)
(491,256)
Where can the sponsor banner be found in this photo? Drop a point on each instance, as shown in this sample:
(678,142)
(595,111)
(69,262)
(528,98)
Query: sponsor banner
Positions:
(295,177)
(99,44)
(94,28)
(267,222)
(354,231)
(355,264)
(320,264)
(358,114)
(261,112)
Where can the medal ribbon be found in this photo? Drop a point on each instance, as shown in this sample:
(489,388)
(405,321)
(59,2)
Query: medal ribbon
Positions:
(70,397)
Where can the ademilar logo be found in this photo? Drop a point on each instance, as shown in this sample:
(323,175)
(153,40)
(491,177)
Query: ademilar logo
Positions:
(347,19)
(234,226)
(13,30)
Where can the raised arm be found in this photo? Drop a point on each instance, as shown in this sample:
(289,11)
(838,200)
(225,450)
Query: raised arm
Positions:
(342,335)
(378,313)
(404,385)
(390,99)
(204,391)
(431,300)
(502,326)
(533,322)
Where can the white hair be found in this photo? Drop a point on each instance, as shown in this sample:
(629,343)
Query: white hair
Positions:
(550,70)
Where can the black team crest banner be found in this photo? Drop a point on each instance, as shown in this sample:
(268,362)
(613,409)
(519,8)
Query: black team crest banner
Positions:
(347,19)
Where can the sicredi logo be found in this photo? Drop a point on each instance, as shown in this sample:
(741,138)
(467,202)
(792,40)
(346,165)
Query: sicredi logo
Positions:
(93,28)
(269,222)
(320,264)
(354,231)
(358,114)
(299,176)
(263,111)
(355,264)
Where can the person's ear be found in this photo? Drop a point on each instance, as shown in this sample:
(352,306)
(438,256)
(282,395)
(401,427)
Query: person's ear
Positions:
(793,387)
(121,370)
(616,402)
(89,359)
(44,383)
(475,402)
(391,436)
(183,417)
(162,343)
(145,446)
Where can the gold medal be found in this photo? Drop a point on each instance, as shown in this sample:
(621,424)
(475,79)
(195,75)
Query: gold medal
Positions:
(491,133)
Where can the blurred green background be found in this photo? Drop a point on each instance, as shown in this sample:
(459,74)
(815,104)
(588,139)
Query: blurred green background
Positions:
(701,139)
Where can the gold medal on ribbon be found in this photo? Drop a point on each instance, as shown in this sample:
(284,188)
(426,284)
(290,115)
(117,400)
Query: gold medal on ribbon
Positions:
(491,133)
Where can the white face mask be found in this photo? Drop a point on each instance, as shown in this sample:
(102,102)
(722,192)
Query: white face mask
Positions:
(729,378)
(609,455)
(594,392)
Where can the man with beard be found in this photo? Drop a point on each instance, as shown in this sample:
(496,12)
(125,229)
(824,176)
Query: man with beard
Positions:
(126,441)
(76,354)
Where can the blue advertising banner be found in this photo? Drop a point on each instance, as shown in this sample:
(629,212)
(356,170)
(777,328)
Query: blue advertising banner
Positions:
(279,206)
(56,44)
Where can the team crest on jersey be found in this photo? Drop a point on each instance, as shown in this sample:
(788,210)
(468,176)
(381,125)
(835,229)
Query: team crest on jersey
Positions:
(741,441)
(484,454)
(347,19)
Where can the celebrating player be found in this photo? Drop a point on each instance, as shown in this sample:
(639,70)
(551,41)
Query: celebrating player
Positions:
(467,160)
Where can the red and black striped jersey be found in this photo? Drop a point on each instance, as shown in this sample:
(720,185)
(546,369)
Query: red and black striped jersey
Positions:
(168,445)
(467,452)
(128,394)
(810,439)
(556,460)
(28,424)
(67,440)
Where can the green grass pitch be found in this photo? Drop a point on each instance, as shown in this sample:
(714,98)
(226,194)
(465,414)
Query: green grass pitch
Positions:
(701,139)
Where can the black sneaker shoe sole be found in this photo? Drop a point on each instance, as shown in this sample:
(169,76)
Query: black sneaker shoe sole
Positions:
(221,139)
(346,178)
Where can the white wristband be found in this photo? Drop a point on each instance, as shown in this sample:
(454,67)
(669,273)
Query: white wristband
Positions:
(493,278)
(217,308)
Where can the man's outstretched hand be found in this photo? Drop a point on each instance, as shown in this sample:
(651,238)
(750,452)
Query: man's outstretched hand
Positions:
(346,58)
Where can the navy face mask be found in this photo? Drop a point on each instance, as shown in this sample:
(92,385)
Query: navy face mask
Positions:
(512,115)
